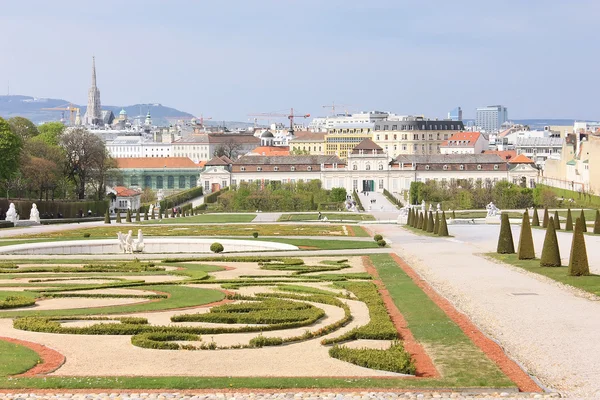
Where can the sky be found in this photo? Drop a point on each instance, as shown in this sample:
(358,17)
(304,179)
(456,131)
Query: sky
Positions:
(227,59)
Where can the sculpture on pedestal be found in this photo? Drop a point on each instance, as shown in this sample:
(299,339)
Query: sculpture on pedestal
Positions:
(34,215)
(492,210)
(128,245)
(11,214)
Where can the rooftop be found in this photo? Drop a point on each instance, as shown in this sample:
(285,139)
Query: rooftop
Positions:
(305,136)
(482,158)
(507,155)
(462,139)
(270,151)
(289,160)
(540,141)
(521,159)
(122,191)
(155,162)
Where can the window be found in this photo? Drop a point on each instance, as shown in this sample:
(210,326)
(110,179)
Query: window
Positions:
(381,167)
(368,167)
(223,184)
(309,168)
(496,167)
(170,182)
(462,167)
(355,185)
(259,168)
(242,168)
(193,181)
(427,167)
(159,182)
(147,181)
(181,182)
(293,168)
(479,167)
(381,184)
(275,168)
(445,167)
(206,186)
(134,180)
(354,167)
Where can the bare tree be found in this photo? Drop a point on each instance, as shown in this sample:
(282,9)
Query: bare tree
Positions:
(230,148)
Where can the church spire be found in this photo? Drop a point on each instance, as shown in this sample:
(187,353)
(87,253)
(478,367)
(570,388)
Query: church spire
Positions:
(93,113)
(93,71)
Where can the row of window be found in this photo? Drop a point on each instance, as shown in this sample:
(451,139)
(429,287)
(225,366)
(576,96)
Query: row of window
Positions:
(462,167)
(292,168)
(415,136)
(182,181)
(367,167)
(417,127)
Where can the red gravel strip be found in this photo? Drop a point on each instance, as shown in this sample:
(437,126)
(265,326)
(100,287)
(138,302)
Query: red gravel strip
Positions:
(424,366)
(51,359)
(488,346)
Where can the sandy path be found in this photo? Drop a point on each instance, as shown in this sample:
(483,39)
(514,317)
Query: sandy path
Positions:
(70,303)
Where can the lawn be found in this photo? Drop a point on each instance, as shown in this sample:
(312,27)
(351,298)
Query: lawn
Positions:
(314,216)
(196,230)
(203,219)
(16,359)
(589,283)
(478,214)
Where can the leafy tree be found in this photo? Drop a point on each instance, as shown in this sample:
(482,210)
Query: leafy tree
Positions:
(415,192)
(578,262)
(505,240)
(443,230)
(148,195)
(526,250)
(10,151)
(50,132)
(338,195)
(550,251)
(23,128)
(569,224)
(536,219)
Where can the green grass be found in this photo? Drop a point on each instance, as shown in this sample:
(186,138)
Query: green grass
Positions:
(16,359)
(581,200)
(590,215)
(421,232)
(589,283)
(319,244)
(358,231)
(179,297)
(463,364)
(204,219)
(332,217)
(478,214)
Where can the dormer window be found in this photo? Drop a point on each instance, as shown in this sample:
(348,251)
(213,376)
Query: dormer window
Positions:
(293,168)
(462,167)
(427,167)
(259,168)
(309,168)
(445,167)
(275,168)
(496,167)
(242,168)
(478,167)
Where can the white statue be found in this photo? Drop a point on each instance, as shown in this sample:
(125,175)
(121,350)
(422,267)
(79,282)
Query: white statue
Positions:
(34,215)
(151,210)
(129,242)
(121,239)
(404,211)
(423,206)
(11,214)
(438,208)
(160,194)
(492,210)
(138,245)
(430,207)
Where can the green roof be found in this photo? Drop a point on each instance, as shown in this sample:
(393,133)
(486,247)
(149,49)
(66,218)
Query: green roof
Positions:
(572,162)
(586,162)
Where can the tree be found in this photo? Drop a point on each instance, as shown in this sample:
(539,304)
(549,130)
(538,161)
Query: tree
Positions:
(430,223)
(23,128)
(216,247)
(338,195)
(118,219)
(10,151)
(550,251)
(578,261)
(536,219)
(526,250)
(597,223)
(425,226)
(436,225)
(583,221)
(545,221)
(505,240)
(229,148)
(556,221)
(299,152)
(50,132)
(569,224)
(443,230)
(148,196)
(87,160)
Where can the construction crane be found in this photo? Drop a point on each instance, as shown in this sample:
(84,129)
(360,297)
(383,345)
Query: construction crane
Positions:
(202,118)
(289,116)
(74,112)
(333,106)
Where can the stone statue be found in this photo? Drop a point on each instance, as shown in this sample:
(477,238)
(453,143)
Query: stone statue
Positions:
(138,245)
(34,215)
(160,194)
(151,210)
(404,211)
(423,206)
(492,210)
(430,207)
(121,239)
(438,208)
(129,242)
(11,214)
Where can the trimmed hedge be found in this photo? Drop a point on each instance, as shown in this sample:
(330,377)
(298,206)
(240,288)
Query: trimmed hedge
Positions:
(69,209)
(394,359)
(162,340)
(214,196)
(261,341)
(16,302)
(356,199)
(181,197)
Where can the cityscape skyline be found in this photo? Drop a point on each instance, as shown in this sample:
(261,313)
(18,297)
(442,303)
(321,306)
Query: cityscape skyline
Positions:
(246,65)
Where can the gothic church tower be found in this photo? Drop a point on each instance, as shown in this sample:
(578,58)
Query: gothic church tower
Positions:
(93,114)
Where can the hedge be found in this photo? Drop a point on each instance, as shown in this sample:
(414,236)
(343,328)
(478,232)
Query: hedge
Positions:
(392,198)
(50,209)
(212,198)
(16,301)
(394,359)
(181,197)
(162,340)
(356,199)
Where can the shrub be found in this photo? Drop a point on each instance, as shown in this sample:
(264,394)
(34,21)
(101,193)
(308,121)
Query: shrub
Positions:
(453,215)
(162,340)
(128,217)
(181,197)
(420,221)
(569,224)
(583,221)
(436,225)
(505,240)
(381,243)
(550,251)
(597,223)
(394,359)
(137,216)
(146,215)
(118,219)
(556,221)
(536,219)
(430,223)
(443,230)
(356,199)
(545,221)
(106,217)
(526,249)
(16,301)
(578,262)
(377,237)
(261,341)
(86,235)
(254,235)
(216,247)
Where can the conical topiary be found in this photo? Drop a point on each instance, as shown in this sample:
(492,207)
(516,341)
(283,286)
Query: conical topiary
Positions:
(556,221)
(550,251)
(118,219)
(569,224)
(430,225)
(578,262)
(505,240)
(545,221)
(146,215)
(152,213)
(420,221)
(443,229)
(453,215)
(106,217)
(137,215)
(409,217)
(425,222)
(128,216)
(436,225)
(583,221)
(597,223)
(526,250)
(536,219)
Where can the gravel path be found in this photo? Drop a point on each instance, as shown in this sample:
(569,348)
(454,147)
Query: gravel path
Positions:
(553,333)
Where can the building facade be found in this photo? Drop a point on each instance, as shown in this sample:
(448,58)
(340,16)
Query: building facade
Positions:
(465,143)
(490,118)
(308,143)
(539,149)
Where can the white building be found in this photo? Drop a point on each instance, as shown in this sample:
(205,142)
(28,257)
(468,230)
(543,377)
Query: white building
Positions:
(323,124)
(137,146)
(490,119)
(465,143)
(539,149)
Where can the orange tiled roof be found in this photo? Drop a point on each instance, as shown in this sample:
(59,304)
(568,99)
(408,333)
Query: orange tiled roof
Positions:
(521,159)
(507,155)
(122,191)
(271,151)
(155,162)
(462,139)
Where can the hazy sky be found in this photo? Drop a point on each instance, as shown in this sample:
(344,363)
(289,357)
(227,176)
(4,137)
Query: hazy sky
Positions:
(227,59)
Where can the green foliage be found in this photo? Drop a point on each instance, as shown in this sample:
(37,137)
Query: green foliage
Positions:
(254,235)
(356,199)
(578,262)
(436,225)
(392,198)
(394,359)
(550,251)
(137,216)
(50,132)
(556,221)
(425,226)
(526,250)
(337,195)
(597,223)
(377,237)
(180,198)
(420,221)
(214,196)
(68,209)
(536,218)
(16,302)
(430,223)
(10,149)
(545,220)
(381,243)
(16,359)
(262,341)
(118,219)
(582,199)
(505,240)
(106,217)
(128,217)
(569,224)
(216,247)
(583,221)
(453,215)
(443,229)
(163,340)
(23,128)
(409,217)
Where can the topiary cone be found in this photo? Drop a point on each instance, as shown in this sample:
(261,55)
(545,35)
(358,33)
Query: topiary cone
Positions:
(146,215)
(578,262)
(106,217)
(409,218)
(545,221)
(430,225)
(436,225)
(420,221)
(556,221)
(583,221)
(118,219)
(536,220)
(597,223)
(453,215)
(550,251)
(425,222)
(526,250)
(569,224)
(137,215)
(128,216)
(505,240)
(443,230)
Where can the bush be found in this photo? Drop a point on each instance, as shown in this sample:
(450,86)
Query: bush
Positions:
(337,195)
(216,247)
(526,250)
(536,219)
(505,240)
(106,217)
(443,230)
(15,302)
(569,224)
(86,235)
(162,340)
(181,197)
(377,237)
(545,220)
(583,221)
(556,221)
(550,251)
(212,198)
(381,243)
(394,359)
(578,261)
(261,341)
(254,235)
(597,223)
(356,199)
